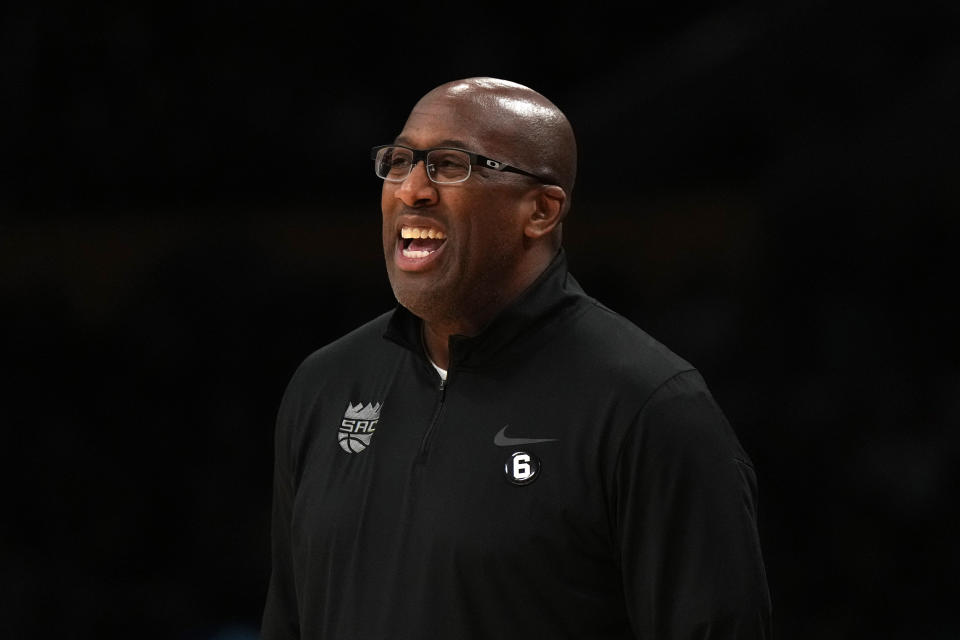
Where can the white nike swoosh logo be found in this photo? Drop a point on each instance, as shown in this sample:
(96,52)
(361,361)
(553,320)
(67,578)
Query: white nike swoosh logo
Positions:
(503,440)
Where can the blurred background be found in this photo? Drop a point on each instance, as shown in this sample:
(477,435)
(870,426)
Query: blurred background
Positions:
(187,210)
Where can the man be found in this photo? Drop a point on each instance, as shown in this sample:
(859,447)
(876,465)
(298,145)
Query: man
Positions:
(502,456)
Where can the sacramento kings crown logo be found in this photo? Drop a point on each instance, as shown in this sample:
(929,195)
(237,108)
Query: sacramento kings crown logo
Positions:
(358,426)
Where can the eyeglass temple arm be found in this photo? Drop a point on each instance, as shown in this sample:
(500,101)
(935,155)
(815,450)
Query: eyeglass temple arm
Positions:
(421,154)
(502,166)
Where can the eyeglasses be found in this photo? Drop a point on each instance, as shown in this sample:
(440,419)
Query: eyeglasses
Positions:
(445,165)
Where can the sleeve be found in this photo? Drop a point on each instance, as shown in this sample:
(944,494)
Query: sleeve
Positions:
(280,615)
(686,522)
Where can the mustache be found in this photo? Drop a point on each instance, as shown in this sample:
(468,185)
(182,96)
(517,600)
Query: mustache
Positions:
(409,212)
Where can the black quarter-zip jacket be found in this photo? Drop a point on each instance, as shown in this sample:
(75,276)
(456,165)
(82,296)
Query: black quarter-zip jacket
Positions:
(401,510)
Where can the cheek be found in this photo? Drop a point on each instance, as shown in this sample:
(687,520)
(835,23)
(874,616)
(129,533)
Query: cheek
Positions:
(386,202)
(503,225)
(494,241)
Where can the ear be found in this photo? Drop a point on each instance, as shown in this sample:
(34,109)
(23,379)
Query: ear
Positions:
(547,213)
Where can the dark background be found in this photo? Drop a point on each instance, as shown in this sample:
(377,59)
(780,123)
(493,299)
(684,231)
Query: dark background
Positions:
(188,210)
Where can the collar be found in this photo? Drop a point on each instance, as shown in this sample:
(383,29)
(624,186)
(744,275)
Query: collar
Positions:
(550,299)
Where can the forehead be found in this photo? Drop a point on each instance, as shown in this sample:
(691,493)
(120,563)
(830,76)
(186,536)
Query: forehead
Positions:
(450,120)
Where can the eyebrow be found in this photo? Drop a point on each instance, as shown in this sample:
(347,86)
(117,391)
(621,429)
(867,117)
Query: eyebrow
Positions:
(449,142)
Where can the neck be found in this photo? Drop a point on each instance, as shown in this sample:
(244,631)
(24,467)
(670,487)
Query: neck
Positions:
(437,330)
(437,342)
(436,337)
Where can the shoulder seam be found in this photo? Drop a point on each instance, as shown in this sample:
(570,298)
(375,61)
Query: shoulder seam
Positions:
(642,408)
(626,433)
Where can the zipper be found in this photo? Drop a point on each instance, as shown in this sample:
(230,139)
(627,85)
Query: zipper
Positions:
(425,442)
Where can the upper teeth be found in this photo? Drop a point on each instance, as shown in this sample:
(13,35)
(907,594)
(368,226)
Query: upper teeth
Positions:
(421,232)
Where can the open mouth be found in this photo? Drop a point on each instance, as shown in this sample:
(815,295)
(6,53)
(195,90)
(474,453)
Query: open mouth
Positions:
(420,242)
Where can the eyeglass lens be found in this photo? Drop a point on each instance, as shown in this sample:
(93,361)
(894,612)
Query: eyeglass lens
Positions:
(443,165)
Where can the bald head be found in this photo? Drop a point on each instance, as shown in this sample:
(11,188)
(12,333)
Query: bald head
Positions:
(458,252)
(517,124)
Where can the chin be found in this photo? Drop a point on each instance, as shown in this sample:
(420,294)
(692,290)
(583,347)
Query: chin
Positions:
(426,303)
(413,297)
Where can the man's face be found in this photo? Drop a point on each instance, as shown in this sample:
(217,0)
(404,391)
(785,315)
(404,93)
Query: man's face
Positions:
(474,259)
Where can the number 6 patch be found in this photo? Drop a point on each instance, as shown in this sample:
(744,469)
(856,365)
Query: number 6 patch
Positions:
(521,468)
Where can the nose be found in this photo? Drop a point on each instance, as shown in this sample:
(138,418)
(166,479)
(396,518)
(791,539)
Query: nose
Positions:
(418,190)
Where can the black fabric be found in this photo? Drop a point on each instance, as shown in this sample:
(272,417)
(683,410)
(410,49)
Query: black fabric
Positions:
(640,524)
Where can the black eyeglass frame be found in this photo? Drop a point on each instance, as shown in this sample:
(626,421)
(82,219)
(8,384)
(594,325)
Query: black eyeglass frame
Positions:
(475,159)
